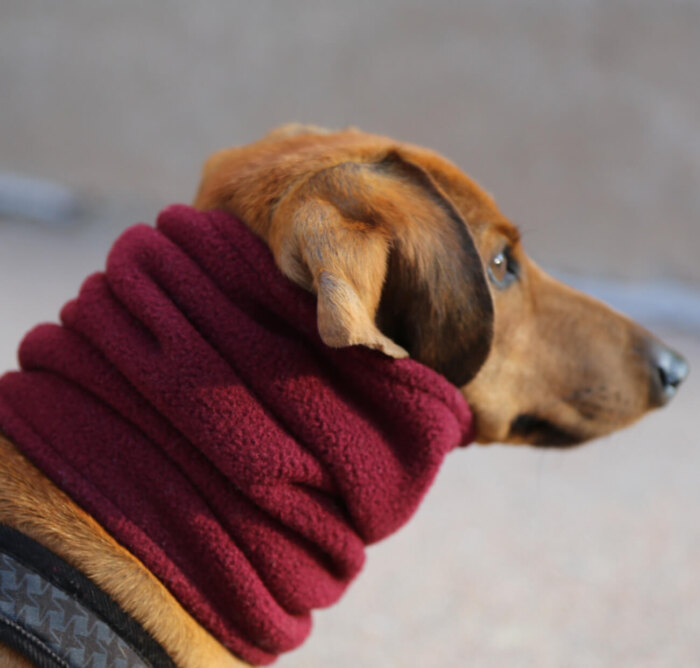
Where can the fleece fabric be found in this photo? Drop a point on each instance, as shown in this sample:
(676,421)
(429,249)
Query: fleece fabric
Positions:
(187,402)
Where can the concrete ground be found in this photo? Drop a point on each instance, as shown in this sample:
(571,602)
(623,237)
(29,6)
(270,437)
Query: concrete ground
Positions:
(517,558)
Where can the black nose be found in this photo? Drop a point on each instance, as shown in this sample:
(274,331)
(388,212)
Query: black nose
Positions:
(669,370)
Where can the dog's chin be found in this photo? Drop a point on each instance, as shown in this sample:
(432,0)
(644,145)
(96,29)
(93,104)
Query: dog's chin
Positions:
(542,433)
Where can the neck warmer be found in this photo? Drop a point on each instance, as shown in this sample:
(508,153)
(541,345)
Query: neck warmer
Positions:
(187,402)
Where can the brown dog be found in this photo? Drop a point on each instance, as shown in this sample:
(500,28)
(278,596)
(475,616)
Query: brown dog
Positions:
(408,256)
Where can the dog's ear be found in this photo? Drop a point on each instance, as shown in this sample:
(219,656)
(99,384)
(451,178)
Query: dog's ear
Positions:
(436,301)
(392,262)
(328,238)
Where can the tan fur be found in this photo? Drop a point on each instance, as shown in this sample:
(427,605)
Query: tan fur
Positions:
(396,242)
(11,659)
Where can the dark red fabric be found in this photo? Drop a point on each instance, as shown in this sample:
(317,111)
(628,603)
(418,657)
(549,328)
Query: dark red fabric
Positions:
(188,404)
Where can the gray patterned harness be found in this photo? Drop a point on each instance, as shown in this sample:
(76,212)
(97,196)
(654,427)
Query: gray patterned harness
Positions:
(58,618)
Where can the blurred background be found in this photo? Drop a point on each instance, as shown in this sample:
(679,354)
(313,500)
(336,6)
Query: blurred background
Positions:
(582,117)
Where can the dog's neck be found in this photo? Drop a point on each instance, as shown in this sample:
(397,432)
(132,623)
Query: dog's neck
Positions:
(188,404)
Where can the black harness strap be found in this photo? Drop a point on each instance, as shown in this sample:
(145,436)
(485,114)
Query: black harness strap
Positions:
(28,645)
(58,618)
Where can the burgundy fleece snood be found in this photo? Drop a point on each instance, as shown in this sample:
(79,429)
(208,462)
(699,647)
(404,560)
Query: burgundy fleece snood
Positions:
(187,403)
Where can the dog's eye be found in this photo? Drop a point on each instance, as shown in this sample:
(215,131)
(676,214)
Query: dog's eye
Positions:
(503,270)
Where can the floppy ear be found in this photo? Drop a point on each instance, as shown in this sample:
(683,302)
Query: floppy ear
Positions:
(436,301)
(330,243)
(392,262)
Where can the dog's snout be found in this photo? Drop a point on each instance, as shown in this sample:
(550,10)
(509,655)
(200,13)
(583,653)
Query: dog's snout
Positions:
(669,370)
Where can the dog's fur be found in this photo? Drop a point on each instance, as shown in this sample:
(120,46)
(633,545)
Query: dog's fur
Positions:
(406,255)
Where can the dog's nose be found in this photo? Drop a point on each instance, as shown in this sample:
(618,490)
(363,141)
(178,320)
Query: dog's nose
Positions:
(669,370)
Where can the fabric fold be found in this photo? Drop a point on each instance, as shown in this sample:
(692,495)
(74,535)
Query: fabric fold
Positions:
(187,402)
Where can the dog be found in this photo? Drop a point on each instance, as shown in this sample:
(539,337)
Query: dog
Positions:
(408,256)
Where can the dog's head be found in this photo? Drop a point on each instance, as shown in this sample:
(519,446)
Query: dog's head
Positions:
(409,256)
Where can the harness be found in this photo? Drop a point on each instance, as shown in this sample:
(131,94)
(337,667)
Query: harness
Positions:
(57,618)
